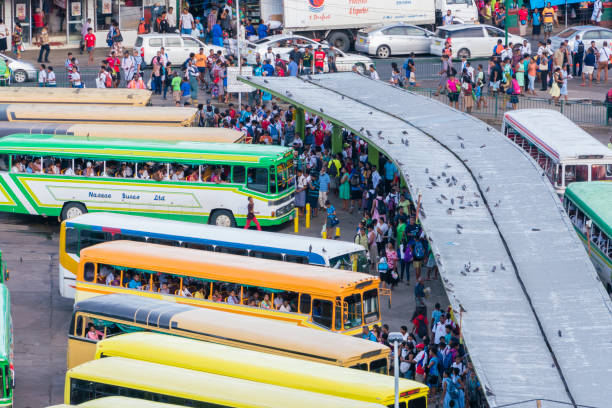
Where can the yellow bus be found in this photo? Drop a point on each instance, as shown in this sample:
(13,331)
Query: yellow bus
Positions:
(95,131)
(114,315)
(93,96)
(115,376)
(117,115)
(311,296)
(265,368)
(118,402)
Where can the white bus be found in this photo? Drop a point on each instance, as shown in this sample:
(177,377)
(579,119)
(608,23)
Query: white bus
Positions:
(93,228)
(561,148)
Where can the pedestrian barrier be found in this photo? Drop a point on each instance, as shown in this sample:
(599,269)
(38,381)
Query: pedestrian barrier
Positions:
(585,112)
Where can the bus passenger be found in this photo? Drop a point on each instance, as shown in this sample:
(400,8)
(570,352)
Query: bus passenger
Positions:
(57,167)
(232,299)
(200,294)
(36,166)
(265,303)
(192,176)
(126,171)
(135,282)
(89,171)
(185,292)
(285,307)
(143,173)
(69,171)
(164,289)
(18,166)
(217,296)
(93,333)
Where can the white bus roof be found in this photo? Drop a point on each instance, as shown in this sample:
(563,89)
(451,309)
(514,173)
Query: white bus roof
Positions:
(250,238)
(555,133)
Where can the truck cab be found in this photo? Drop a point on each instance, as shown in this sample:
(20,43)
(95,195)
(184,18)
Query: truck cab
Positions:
(464,11)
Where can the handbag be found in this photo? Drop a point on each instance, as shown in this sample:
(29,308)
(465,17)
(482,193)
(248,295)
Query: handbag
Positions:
(554,90)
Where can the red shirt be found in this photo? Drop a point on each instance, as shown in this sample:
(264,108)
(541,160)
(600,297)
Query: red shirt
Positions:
(90,40)
(318,137)
(38,20)
(522,14)
(319,57)
(114,64)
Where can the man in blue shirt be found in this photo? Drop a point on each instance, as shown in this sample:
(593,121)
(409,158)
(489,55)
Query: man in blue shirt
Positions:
(186,91)
(324,181)
(409,64)
(390,171)
(267,66)
(249,29)
(262,30)
(292,67)
(135,282)
(368,335)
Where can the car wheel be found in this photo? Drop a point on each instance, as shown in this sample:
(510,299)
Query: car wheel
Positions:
(383,52)
(340,40)
(223,218)
(72,210)
(361,68)
(464,52)
(20,76)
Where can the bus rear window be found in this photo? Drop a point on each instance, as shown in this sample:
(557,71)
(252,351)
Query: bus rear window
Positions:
(379,366)
(322,312)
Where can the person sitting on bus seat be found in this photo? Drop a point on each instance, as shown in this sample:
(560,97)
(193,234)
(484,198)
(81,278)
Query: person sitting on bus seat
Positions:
(232,299)
(89,171)
(143,173)
(135,282)
(265,303)
(278,301)
(251,303)
(185,292)
(217,296)
(200,294)
(285,307)
(36,166)
(93,333)
(164,289)
(18,166)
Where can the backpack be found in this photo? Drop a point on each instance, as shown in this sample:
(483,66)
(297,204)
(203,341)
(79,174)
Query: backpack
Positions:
(333,169)
(391,203)
(108,81)
(355,180)
(580,47)
(453,390)
(447,362)
(381,207)
(419,251)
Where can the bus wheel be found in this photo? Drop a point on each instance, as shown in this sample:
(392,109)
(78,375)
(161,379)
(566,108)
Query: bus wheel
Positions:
(222,218)
(72,210)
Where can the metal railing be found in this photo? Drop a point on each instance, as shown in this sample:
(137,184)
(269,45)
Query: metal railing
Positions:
(585,112)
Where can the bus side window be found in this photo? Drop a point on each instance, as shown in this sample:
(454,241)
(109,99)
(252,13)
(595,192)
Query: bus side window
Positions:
(257,179)
(72,240)
(238,174)
(89,238)
(267,255)
(304,303)
(296,259)
(194,245)
(322,312)
(89,272)
(233,251)
(4,162)
(77,326)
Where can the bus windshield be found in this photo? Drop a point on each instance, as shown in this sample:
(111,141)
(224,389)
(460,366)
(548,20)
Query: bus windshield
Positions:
(370,306)
(285,175)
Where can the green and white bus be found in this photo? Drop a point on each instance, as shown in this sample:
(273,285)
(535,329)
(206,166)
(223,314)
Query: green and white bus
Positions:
(589,206)
(64,176)
(6,348)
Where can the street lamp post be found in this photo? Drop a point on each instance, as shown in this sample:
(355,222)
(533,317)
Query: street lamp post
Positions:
(238,50)
(396,338)
(506,7)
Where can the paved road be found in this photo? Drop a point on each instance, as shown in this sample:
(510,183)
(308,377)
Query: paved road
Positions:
(41,317)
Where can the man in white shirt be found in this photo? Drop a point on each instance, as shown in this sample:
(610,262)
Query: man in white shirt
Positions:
(526,48)
(171,19)
(597,12)
(448,18)
(439,330)
(421,360)
(186,22)
(373,73)
(604,57)
(375,177)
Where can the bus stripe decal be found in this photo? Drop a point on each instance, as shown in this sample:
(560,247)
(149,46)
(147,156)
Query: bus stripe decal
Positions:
(22,199)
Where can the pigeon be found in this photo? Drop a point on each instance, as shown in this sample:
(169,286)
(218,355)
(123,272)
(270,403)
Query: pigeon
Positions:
(439,177)
(443,197)
(496,205)
(403,141)
(463,273)
(450,211)
(501,265)
(426,170)
(476,203)
(483,146)
(476,270)
(494,268)
(438,201)
(288,93)
(404,132)
(535,229)
(443,174)
(368,133)
(459,226)
(454,179)
(388,141)
(266,81)
(452,201)
(460,197)
(488,129)
(249,78)
(431,179)
(321,109)
(462,207)
(462,146)
(476,195)
(459,137)
(361,130)
(424,216)
(559,333)
(447,166)
(459,231)
(342,97)
(463,187)
(480,176)
(433,183)
(369,113)
(379,132)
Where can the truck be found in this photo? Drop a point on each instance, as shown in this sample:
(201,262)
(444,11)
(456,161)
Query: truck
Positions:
(337,21)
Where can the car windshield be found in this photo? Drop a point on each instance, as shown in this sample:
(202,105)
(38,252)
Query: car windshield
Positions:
(442,33)
(262,41)
(567,33)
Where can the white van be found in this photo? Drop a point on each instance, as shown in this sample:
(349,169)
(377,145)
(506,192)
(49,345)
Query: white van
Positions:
(464,11)
(177,47)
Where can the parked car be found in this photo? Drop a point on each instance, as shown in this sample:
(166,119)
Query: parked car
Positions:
(178,47)
(283,44)
(470,40)
(393,39)
(22,71)
(586,35)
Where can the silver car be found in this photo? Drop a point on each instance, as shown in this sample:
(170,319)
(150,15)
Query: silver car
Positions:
(586,35)
(393,39)
(22,71)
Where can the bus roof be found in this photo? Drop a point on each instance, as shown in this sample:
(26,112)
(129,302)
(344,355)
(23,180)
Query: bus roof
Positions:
(131,150)
(131,97)
(278,336)
(148,132)
(226,268)
(124,402)
(595,199)
(65,113)
(254,366)
(557,134)
(194,385)
(206,234)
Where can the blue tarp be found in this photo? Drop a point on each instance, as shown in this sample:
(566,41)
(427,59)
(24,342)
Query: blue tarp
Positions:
(541,3)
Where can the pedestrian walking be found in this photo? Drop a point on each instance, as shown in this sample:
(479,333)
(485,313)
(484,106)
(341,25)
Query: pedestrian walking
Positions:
(597,12)
(128,65)
(18,40)
(45,49)
(577,57)
(543,66)
(251,218)
(42,76)
(523,17)
(84,30)
(373,73)
(548,18)
(116,39)
(344,189)
(604,58)
(453,88)
(51,81)
(331,220)
(90,44)
(536,23)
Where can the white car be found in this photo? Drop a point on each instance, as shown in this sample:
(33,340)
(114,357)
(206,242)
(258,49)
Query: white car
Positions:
(22,71)
(470,40)
(178,47)
(283,45)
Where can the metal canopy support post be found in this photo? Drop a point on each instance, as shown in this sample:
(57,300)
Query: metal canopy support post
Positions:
(300,122)
(336,139)
(373,154)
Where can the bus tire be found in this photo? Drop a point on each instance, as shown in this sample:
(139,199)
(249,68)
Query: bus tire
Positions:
(340,40)
(71,210)
(222,218)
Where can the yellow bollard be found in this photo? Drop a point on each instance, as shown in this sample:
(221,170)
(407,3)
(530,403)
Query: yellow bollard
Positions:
(337,232)
(296,222)
(307,219)
(324,234)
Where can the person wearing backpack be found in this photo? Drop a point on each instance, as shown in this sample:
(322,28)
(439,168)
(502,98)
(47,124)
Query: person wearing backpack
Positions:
(577,57)
(355,186)
(333,169)
(451,392)
(419,251)
(421,364)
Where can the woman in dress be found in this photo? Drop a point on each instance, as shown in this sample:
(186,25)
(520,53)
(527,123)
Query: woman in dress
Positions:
(345,189)
(17,40)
